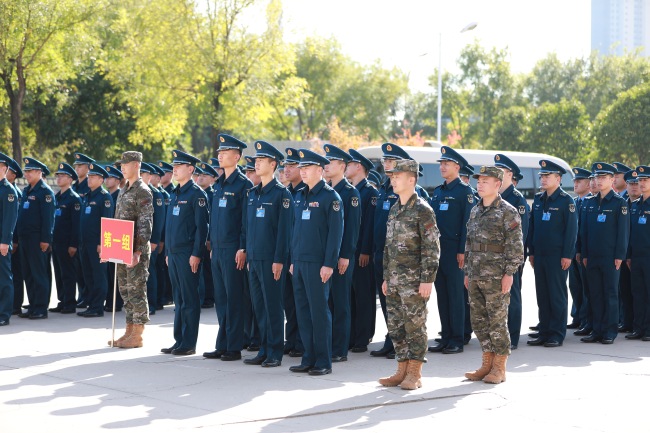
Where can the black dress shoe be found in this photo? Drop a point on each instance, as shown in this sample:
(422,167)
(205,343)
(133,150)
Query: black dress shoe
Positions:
(16,312)
(168,350)
(271,363)
(466,340)
(253,348)
(24,315)
(359,349)
(536,342)
(381,352)
(300,368)
(56,309)
(4,322)
(646,338)
(634,336)
(623,328)
(582,332)
(451,350)
(68,310)
(295,353)
(82,305)
(207,305)
(258,360)
(287,350)
(391,355)
(552,343)
(109,309)
(513,347)
(183,352)
(573,325)
(82,313)
(158,307)
(339,358)
(215,354)
(591,338)
(231,356)
(93,314)
(319,371)
(534,328)
(607,341)
(437,348)
(38,316)
(534,335)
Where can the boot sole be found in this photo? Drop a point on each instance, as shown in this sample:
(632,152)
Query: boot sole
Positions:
(408,388)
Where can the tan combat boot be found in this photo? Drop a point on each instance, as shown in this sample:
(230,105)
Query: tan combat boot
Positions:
(134,339)
(413,375)
(498,372)
(398,376)
(129,329)
(479,374)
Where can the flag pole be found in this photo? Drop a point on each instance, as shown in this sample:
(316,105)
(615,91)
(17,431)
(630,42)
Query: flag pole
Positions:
(114,302)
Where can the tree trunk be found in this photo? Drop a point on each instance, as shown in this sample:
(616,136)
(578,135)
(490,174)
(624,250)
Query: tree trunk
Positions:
(16,110)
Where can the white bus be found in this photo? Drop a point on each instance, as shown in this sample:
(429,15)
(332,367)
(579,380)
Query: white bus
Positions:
(528,162)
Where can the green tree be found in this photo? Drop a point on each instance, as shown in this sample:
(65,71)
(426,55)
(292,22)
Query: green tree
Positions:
(510,129)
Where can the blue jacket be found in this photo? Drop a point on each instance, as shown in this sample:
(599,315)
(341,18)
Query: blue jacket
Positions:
(368,195)
(554,234)
(226,217)
(452,203)
(96,205)
(158,215)
(36,214)
(8,212)
(515,198)
(67,219)
(351,208)
(186,229)
(605,231)
(639,229)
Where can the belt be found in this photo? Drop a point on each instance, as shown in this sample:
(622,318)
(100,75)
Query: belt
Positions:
(482,248)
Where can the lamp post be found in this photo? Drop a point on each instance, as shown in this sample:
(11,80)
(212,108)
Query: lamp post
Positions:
(467,28)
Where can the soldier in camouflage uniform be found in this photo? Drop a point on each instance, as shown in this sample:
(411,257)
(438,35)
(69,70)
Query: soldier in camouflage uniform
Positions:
(134,203)
(411,255)
(494,250)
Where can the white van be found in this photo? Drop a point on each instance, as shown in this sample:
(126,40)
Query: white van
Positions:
(528,162)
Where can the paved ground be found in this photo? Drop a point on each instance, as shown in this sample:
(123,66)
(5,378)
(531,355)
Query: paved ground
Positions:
(58,375)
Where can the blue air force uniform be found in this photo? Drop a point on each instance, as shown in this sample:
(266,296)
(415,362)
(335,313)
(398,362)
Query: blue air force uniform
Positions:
(36,226)
(8,217)
(341,286)
(186,232)
(364,296)
(226,238)
(552,236)
(166,296)
(268,215)
(626,309)
(16,267)
(604,238)
(96,205)
(639,256)
(158,202)
(206,284)
(81,188)
(66,235)
(315,243)
(452,203)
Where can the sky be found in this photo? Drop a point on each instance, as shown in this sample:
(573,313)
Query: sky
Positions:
(405,33)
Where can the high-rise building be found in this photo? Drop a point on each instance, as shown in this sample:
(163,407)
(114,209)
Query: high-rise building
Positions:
(619,26)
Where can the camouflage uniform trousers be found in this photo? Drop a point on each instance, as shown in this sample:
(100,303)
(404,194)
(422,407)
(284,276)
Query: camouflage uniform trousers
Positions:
(407,322)
(133,289)
(489,314)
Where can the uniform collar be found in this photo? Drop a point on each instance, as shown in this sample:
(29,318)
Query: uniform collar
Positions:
(300,185)
(316,188)
(609,195)
(230,179)
(339,186)
(553,196)
(451,184)
(266,188)
(362,184)
(181,189)
(508,191)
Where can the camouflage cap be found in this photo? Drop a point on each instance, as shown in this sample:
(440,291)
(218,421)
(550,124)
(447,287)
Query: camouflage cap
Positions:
(489,171)
(407,165)
(130,156)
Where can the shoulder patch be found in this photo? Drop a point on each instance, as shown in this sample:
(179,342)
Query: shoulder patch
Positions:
(202,202)
(624,210)
(11,198)
(522,210)
(77,206)
(336,205)
(354,201)
(572,208)
(470,198)
(48,198)
(514,224)
(373,201)
(159,202)
(285,203)
(107,203)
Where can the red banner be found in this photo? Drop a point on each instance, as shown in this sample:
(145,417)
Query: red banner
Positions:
(117,240)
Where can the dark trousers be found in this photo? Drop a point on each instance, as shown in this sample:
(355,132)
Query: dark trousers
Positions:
(626,309)
(603,287)
(379,279)
(152,282)
(586,295)
(640,274)
(291,333)
(81,282)
(64,276)
(228,299)
(576,287)
(186,297)
(451,298)
(19,283)
(162,277)
(6,288)
(34,266)
(314,316)
(251,330)
(514,310)
(266,295)
(340,305)
(95,278)
(167,295)
(552,297)
(364,304)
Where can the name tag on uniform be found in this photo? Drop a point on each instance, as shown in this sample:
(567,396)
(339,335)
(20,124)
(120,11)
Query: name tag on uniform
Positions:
(386,205)
(26,205)
(306,214)
(88,209)
(601,218)
(223,202)
(260,212)
(546,216)
(642,220)
(57,212)
(176,211)
(444,206)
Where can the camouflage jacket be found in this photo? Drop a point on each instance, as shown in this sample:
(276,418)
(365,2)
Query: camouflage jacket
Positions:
(494,244)
(412,249)
(135,203)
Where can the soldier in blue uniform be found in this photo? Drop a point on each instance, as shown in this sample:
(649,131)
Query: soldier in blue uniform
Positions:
(65,241)
(374,178)
(315,246)
(620,186)
(293,345)
(206,285)
(112,184)
(228,243)
(510,194)
(268,214)
(604,240)
(341,286)
(551,244)
(626,309)
(166,297)
(15,172)
(186,235)
(8,217)
(452,203)
(80,186)
(35,230)
(249,170)
(638,257)
(159,270)
(96,204)
(364,304)
(146,170)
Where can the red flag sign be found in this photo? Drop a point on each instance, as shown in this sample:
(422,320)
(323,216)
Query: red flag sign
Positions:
(117,240)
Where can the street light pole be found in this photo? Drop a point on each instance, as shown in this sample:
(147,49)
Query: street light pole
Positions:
(467,28)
